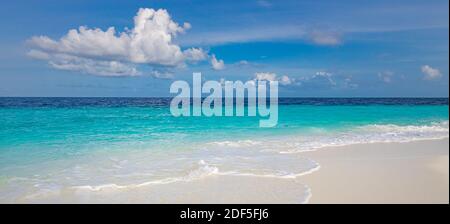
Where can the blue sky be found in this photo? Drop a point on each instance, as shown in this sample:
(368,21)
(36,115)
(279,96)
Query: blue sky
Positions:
(318,48)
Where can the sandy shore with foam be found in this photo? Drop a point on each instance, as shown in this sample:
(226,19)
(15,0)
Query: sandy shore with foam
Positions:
(414,172)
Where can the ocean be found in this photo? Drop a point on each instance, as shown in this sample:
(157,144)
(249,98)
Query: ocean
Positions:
(75,146)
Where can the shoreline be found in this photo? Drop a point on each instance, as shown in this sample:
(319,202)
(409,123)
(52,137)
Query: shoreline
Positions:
(408,172)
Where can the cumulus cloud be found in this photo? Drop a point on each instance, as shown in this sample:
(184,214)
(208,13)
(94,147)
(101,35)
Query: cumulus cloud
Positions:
(268,76)
(325,37)
(285,80)
(326,80)
(161,75)
(265,76)
(217,64)
(38,55)
(430,73)
(318,80)
(195,54)
(322,75)
(86,65)
(149,42)
(386,76)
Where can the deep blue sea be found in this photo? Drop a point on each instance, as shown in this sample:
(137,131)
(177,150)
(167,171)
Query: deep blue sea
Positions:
(50,145)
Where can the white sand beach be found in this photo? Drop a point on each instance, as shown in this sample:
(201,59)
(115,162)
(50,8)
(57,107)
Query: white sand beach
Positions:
(414,172)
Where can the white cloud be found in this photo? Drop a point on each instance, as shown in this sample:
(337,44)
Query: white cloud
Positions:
(195,54)
(319,80)
(161,75)
(285,80)
(325,37)
(268,76)
(324,79)
(217,64)
(430,73)
(93,67)
(265,76)
(348,83)
(324,75)
(149,42)
(36,54)
(386,76)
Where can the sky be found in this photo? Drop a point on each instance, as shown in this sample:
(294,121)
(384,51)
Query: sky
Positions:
(137,48)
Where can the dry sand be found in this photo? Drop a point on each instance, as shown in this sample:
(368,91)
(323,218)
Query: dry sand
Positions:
(414,172)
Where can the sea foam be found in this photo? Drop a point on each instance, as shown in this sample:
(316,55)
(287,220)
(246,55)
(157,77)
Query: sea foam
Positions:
(374,133)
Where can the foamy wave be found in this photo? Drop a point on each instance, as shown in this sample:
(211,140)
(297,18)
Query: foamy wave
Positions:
(239,143)
(203,170)
(376,133)
(388,133)
(288,175)
(433,128)
(200,171)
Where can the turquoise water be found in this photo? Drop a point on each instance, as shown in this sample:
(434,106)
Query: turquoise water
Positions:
(83,127)
(57,143)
